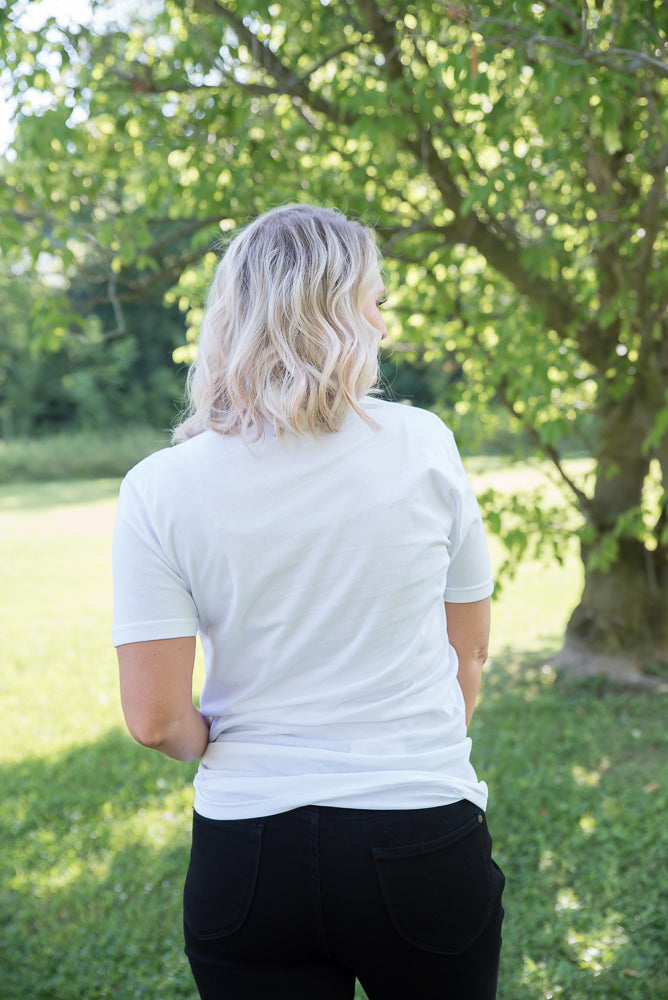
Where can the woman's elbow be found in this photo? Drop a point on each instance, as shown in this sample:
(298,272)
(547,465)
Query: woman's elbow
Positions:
(145,728)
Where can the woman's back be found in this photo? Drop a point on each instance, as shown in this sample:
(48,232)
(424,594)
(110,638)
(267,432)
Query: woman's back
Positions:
(317,540)
(315,571)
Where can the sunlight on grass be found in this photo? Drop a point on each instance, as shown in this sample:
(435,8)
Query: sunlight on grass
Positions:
(590,777)
(95,830)
(567,900)
(598,947)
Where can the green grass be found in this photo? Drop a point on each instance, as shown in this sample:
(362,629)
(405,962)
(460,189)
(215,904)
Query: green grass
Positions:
(95,830)
(78,455)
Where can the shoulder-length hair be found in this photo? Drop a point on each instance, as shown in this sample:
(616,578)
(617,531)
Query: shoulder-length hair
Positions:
(284,341)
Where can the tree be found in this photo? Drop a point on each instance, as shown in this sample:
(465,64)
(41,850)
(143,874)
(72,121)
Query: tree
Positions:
(513,162)
(97,381)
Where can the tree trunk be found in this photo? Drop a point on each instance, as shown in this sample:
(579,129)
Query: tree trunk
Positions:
(620,627)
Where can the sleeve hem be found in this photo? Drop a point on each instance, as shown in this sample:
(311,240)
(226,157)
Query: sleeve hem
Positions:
(466,595)
(147,631)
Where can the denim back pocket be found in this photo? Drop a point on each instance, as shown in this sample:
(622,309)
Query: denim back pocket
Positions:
(220,884)
(438,894)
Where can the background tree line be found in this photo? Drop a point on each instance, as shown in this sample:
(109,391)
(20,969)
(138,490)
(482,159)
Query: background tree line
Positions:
(97,382)
(513,162)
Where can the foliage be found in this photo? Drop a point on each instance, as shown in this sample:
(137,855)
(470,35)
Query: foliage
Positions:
(95,829)
(512,161)
(85,382)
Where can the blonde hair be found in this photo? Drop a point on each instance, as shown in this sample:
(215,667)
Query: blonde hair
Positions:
(284,341)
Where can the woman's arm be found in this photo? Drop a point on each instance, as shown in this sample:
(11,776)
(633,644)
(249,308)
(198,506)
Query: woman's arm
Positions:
(156,694)
(468,631)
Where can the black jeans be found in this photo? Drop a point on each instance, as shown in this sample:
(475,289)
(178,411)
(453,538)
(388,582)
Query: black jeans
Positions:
(297,905)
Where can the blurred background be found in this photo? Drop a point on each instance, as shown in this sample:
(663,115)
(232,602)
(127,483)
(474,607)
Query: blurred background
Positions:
(512,160)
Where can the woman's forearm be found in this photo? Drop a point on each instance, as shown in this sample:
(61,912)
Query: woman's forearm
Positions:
(468,632)
(469,676)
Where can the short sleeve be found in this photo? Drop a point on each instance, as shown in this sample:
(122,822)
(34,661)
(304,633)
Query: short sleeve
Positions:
(469,577)
(151,598)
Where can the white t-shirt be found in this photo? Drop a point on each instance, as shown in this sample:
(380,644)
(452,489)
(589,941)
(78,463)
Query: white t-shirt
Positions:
(315,572)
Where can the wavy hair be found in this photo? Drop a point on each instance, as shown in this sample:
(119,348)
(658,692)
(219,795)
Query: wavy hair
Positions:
(284,341)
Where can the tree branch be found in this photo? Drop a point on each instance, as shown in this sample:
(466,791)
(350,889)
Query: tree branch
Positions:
(188,228)
(391,236)
(39,214)
(112,297)
(583,501)
(502,249)
(137,289)
(569,15)
(288,82)
(574,54)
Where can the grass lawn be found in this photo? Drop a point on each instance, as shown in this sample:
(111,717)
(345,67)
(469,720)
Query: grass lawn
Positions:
(95,830)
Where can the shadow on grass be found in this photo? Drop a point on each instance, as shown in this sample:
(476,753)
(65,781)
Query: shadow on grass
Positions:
(577,799)
(95,845)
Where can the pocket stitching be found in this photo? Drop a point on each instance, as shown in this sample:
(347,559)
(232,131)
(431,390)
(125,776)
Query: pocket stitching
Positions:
(257,831)
(415,851)
(429,846)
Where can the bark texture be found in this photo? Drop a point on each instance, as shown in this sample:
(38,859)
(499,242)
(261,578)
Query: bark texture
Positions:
(620,627)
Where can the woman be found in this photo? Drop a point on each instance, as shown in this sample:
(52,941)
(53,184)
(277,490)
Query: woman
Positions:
(329,551)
